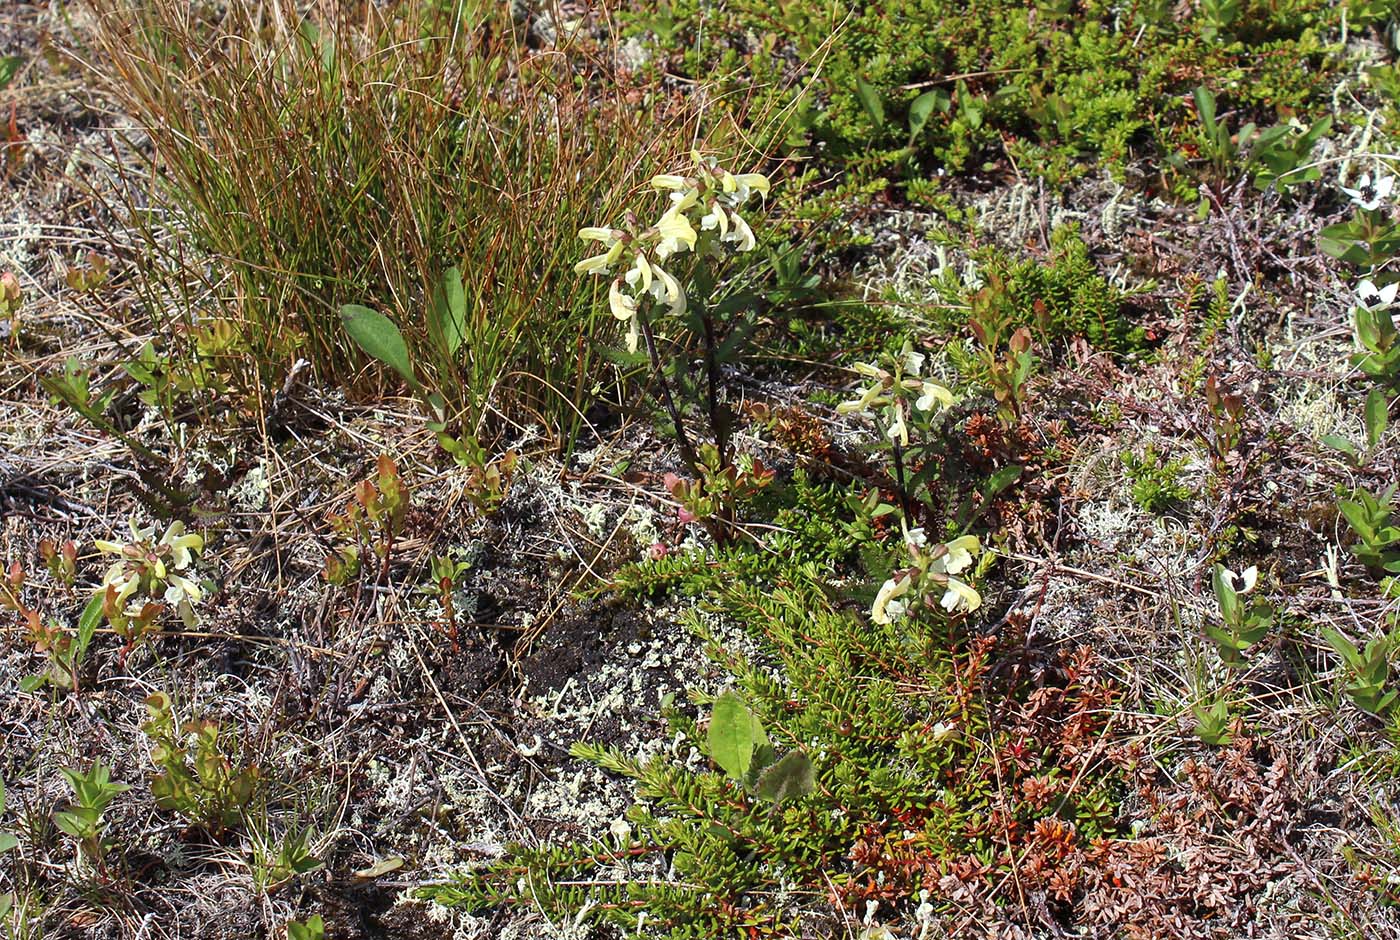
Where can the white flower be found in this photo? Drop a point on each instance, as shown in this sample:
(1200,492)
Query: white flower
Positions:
(640,272)
(669,181)
(933,396)
(602,263)
(181,589)
(942,731)
(717,218)
(861,404)
(889,591)
(742,186)
(741,233)
(622,306)
(620,830)
(915,537)
(126,580)
(960,596)
(958,556)
(899,431)
(1369,193)
(913,361)
(677,234)
(896,609)
(668,291)
(1371,297)
(1244,582)
(180,545)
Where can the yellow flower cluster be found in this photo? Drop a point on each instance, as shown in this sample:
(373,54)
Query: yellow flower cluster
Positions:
(932,571)
(888,388)
(702,217)
(152,567)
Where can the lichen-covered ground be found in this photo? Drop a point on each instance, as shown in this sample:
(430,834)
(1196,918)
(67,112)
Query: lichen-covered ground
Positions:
(399,747)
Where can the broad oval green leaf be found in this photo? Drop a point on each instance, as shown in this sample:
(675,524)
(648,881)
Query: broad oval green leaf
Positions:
(870,100)
(923,107)
(377,335)
(447,314)
(734,734)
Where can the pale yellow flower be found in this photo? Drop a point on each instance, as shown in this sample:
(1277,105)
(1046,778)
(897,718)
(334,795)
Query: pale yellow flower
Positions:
(740,233)
(889,591)
(677,234)
(934,395)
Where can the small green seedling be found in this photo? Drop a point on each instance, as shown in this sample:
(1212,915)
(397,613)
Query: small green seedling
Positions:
(196,778)
(1244,625)
(313,929)
(445,571)
(275,863)
(739,745)
(93,792)
(1213,722)
(1370,517)
(1369,670)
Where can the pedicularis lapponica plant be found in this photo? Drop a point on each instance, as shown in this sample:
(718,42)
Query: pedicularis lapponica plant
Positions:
(672,268)
(897,398)
(150,576)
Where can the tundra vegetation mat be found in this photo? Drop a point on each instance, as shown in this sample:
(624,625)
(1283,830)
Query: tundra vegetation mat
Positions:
(662,468)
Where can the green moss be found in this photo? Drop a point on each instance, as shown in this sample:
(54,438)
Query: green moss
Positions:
(1156,482)
(919,84)
(1059,297)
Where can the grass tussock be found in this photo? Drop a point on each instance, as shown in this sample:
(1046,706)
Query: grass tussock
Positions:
(353,157)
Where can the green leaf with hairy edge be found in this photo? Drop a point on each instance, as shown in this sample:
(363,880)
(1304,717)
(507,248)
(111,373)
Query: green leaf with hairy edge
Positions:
(32,683)
(1377,416)
(7,842)
(7,901)
(788,778)
(870,100)
(447,314)
(734,734)
(376,335)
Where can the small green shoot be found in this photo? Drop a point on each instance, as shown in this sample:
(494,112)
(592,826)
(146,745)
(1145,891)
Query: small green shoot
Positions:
(1370,517)
(93,792)
(739,745)
(1368,670)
